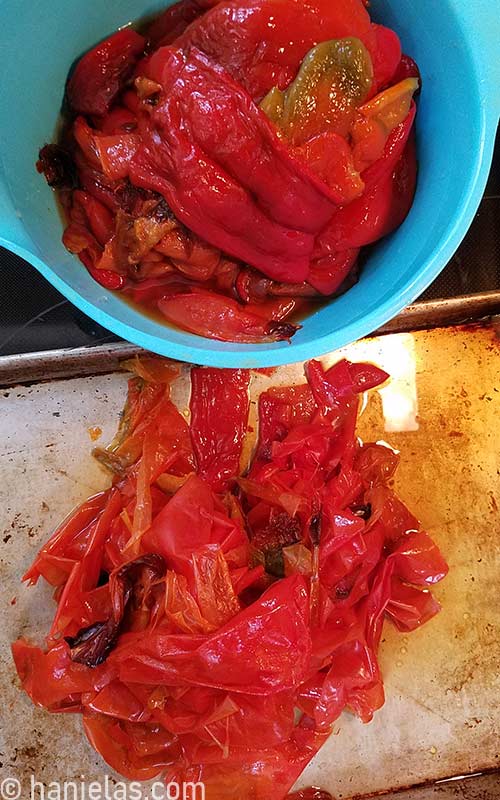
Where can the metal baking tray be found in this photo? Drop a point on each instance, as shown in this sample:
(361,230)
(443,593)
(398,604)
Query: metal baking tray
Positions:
(103,358)
(438,736)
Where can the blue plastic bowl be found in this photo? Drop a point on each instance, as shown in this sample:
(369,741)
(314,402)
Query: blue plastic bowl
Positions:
(455,43)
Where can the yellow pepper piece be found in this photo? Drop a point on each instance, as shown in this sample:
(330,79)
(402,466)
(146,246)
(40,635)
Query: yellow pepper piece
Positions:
(391,107)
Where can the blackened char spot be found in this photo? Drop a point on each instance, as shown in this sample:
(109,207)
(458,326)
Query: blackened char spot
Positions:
(281,531)
(56,164)
(103,578)
(91,646)
(282,331)
(315,529)
(130,583)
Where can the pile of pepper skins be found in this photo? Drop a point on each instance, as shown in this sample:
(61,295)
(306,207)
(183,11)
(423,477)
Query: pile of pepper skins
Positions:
(214,617)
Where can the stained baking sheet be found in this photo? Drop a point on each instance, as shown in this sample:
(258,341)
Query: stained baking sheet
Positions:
(442,715)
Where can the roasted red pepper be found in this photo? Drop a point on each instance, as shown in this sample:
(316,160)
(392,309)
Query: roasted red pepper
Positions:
(330,157)
(116,153)
(386,56)
(328,273)
(219,417)
(173,22)
(100,74)
(98,217)
(266,216)
(232,34)
(107,278)
(407,68)
(262,138)
(379,211)
(218,317)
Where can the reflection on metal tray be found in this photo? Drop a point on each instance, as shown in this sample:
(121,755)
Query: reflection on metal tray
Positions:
(36,317)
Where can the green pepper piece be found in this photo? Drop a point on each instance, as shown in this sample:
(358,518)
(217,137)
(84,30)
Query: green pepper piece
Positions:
(334,79)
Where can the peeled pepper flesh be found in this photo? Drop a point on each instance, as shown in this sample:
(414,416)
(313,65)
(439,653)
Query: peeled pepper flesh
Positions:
(264,137)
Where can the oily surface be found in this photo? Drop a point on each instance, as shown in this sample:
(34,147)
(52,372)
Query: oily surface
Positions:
(442,715)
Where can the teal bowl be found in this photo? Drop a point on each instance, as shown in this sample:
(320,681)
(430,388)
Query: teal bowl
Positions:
(455,43)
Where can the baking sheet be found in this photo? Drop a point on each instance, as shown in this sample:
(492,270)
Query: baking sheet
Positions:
(69,362)
(442,715)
